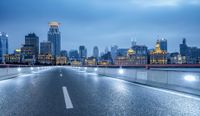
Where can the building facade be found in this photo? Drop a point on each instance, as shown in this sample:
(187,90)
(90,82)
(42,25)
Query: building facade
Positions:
(30,49)
(96,52)
(163,44)
(54,36)
(158,56)
(82,52)
(46,47)
(114,51)
(3,46)
(192,54)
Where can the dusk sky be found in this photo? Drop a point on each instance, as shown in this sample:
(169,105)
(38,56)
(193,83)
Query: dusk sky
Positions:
(103,22)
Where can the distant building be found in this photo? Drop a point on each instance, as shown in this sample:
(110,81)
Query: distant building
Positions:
(54,36)
(64,53)
(163,44)
(46,59)
(30,49)
(106,58)
(91,61)
(14,58)
(33,40)
(61,60)
(138,55)
(96,52)
(114,51)
(82,52)
(192,54)
(28,56)
(122,52)
(46,47)
(3,46)
(158,56)
(176,58)
(73,55)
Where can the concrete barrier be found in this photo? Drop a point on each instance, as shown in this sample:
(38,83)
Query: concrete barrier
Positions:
(164,78)
(10,72)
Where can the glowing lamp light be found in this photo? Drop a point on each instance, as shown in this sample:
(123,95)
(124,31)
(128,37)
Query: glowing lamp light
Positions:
(19,69)
(85,68)
(121,71)
(190,78)
(96,69)
(31,68)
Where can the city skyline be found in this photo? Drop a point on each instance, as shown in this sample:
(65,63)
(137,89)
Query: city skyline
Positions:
(103,23)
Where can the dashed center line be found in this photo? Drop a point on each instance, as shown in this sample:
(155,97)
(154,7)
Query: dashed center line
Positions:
(61,75)
(67,99)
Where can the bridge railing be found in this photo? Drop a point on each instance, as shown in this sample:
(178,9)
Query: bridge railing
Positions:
(181,80)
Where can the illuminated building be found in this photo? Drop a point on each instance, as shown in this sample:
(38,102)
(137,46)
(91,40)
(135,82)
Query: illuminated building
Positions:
(54,36)
(28,56)
(46,59)
(3,46)
(91,61)
(176,58)
(30,49)
(131,58)
(158,56)
(75,63)
(192,54)
(12,58)
(104,62)
(61,60)
(46,47)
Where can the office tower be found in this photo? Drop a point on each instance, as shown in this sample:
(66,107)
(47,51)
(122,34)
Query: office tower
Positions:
(3,46)
(54,36)
(82,52)
(114,51)
(33,40)
(46,48)
(64,53)
(163,44)
(30,49)
(96,52)
(73,55)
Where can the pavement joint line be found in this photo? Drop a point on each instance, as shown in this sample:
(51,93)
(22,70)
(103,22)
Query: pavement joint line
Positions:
(67,99)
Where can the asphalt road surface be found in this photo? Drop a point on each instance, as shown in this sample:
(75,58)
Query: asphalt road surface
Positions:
(64,91)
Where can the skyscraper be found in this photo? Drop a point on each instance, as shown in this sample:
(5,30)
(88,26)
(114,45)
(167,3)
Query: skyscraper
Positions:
(114,51)
(163,44)
(82,52)
(33,40)
(54,36)
(3,46)
(30,49)
(45,48)
(96,52)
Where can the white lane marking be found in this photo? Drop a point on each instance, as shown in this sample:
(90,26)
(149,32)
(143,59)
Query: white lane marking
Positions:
(68,101)
(61,75)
